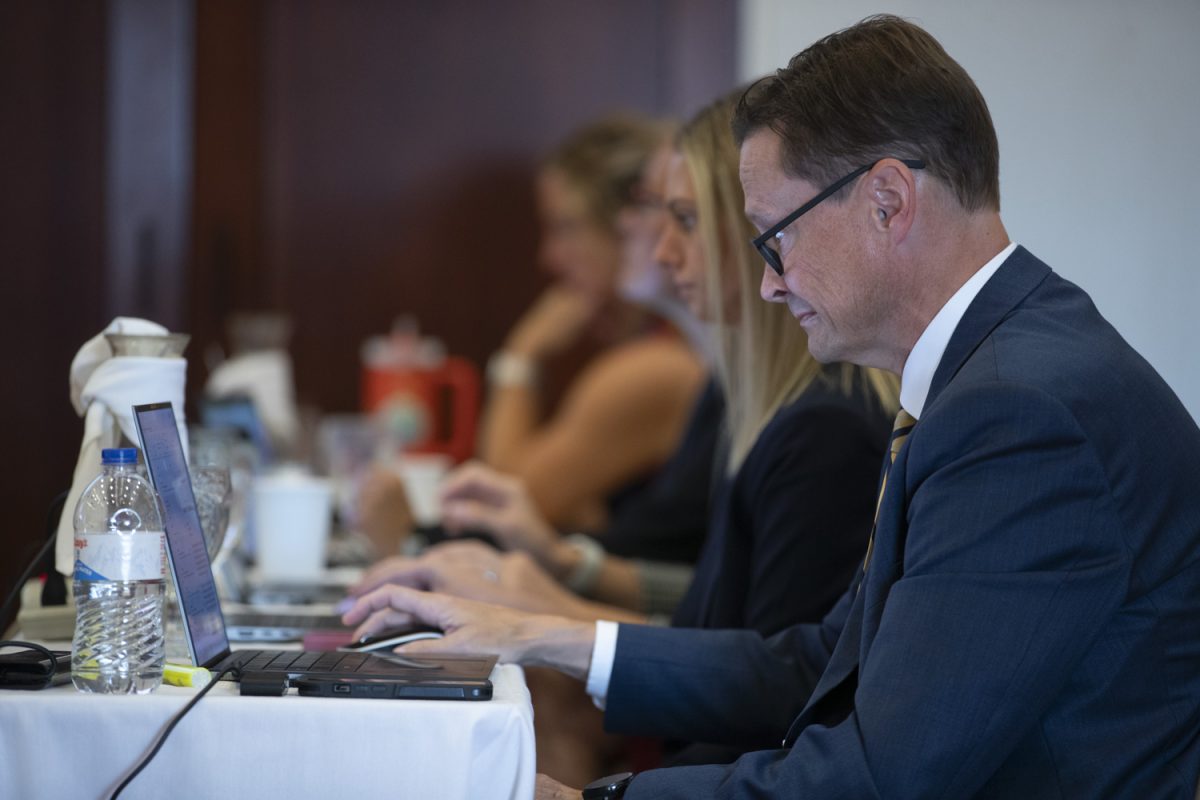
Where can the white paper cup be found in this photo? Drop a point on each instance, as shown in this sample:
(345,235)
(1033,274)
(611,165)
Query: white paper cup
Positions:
(292,515)
(422,475)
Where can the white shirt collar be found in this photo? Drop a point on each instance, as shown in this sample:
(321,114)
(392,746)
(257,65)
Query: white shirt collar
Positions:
(927,352)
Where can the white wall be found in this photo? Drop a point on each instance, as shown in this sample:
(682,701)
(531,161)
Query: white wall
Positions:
(1097,107)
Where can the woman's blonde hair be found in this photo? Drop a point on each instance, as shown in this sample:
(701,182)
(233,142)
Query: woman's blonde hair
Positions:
(762,359)
(604,161)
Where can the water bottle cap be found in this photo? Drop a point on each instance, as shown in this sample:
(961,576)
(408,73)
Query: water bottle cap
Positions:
(118,455)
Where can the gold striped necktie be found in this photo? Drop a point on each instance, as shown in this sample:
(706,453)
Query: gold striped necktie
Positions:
(900,431)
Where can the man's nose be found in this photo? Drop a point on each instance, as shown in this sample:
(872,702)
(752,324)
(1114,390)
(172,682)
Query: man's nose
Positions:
(772,289)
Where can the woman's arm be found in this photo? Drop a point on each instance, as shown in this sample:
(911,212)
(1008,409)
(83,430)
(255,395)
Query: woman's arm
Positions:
(476,497)
(553,323)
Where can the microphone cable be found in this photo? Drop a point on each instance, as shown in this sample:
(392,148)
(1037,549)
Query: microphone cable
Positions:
(52,529)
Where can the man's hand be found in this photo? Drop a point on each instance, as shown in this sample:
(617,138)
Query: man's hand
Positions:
(476,497)
(471,627)
(550,789)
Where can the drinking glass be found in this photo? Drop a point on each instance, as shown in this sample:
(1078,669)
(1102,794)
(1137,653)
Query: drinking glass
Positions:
(209,457)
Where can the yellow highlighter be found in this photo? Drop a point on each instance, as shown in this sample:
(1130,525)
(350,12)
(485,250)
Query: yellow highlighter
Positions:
(184,675)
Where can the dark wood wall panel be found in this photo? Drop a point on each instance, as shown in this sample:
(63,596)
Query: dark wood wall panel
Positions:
(148,157)
(398,143)
(52,72)
(226,232)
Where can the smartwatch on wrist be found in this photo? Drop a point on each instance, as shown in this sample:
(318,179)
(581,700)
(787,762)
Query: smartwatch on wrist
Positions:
(610,787)
(591,558)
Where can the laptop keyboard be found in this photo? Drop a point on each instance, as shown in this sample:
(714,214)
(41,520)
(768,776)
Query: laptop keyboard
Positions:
(301,661)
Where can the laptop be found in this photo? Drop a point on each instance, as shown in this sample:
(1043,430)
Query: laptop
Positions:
(259,625)
(238,412)
(270,626)
(341,673)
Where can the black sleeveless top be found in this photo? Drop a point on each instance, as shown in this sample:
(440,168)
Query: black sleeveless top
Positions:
(666,519)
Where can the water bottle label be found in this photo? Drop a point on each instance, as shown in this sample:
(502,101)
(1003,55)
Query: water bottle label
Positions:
(140,556)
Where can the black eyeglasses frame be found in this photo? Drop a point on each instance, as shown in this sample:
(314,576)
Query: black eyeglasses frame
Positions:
(762,242)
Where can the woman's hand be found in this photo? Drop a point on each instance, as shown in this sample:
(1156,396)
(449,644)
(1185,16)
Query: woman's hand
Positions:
(475,571)
(553,323)
(476,497)
(382,511)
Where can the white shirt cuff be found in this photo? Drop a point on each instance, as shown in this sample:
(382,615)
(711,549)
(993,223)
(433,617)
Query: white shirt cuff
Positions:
(604,652)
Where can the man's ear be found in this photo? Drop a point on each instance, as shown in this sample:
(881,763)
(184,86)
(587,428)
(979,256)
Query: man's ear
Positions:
(892,189)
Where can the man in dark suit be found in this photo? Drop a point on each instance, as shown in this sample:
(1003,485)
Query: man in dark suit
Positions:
(1027,620)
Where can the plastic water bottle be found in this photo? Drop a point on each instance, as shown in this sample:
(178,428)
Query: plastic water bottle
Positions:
(120,570)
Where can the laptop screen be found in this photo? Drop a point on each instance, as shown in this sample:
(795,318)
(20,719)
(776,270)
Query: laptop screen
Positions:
(163,452)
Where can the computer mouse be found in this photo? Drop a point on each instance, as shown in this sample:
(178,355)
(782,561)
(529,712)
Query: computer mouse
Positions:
(388,640)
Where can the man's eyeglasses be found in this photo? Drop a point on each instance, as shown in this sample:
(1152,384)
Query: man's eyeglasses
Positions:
(765,244)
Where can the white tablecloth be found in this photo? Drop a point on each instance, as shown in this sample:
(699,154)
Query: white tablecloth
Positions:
(59,743)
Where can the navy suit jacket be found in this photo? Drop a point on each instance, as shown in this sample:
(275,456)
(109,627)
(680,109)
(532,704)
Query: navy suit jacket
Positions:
(1029,626)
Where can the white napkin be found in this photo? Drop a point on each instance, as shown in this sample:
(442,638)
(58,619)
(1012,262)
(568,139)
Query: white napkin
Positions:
(104,389)
(266,377)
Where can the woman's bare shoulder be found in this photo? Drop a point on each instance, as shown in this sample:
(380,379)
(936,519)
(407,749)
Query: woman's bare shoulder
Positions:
(637,377)
(654,358)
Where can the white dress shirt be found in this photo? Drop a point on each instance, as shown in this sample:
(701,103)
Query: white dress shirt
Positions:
(915,381)
(927,352)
